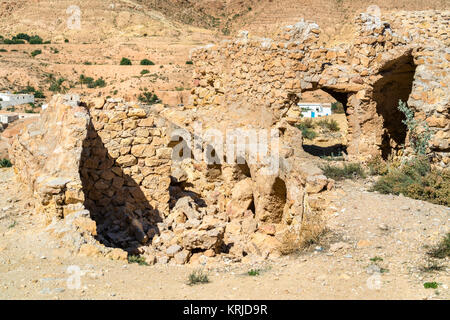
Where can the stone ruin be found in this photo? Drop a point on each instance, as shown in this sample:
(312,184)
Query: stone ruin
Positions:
(103,173)
(405,57)
(103,178)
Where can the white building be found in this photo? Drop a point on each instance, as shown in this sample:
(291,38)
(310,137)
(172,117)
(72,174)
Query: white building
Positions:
(6,118)
(7,99)
(72,100)
(314,110)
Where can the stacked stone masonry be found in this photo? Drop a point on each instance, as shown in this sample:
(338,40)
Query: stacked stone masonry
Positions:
(102,172)
(403,55)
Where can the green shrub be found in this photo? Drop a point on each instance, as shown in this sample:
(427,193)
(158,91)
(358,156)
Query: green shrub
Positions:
(28,89)
(12,225)
(39,95)
(137,259)
(253,272)
(36,40)
(146,62)
(100,83)
(3,50)
(419,132)
(189,62)
(125,62)
(306,127)
(416,179)
(442,250)
(196,277)
(430,285)
(22,36)
(66,40)
(56,84)
(377,166)
(145,71)
(337,107)
(36,52)
(329,124)
(13,41)
(347,171)
(5,163)
(148,98)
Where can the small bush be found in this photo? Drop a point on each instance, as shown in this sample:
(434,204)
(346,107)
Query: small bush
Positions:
(100,83)
(36,52)
(125,62)
(36,40)
(377,166)
(39,95)
(149,98)
(329,124)
(5,163)
(306,127)
(376,259)
(13,41)
(432,267)
(12,225)
(146,62)
(189,62)
(253,272)
(419,132)
(23,36)
(3,50)
(66,40)
(337,107)
(347,171)
(56,84)
(442,250)
(430,285)
(196,277)
(145,71)
(137,259)
(416,179)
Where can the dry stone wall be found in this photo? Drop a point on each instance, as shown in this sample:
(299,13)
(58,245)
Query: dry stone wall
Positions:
(404,55)
(125,170)
(102,174)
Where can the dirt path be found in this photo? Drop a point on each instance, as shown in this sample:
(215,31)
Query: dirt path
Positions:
(364,226)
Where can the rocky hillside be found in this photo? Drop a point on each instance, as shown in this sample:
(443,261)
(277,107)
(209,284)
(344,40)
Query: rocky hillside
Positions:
(170,17)
(266,16)
(163,31)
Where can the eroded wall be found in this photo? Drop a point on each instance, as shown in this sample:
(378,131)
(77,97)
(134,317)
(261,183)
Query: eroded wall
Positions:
(262,78)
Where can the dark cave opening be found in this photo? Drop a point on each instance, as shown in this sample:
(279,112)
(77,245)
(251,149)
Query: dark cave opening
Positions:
(395,84)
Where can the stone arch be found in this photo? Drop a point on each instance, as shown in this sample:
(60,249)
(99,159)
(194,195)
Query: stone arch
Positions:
(395,83)
(322,94)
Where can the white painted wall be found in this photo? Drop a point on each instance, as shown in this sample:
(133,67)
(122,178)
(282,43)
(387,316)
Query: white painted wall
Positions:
(8,99)
(8,118)
(314,110)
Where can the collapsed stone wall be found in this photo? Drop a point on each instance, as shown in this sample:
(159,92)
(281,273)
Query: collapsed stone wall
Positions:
(404,56)
(103,174)
(47,157)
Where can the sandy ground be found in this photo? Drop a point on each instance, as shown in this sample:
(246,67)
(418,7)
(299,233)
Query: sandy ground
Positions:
(364,226)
